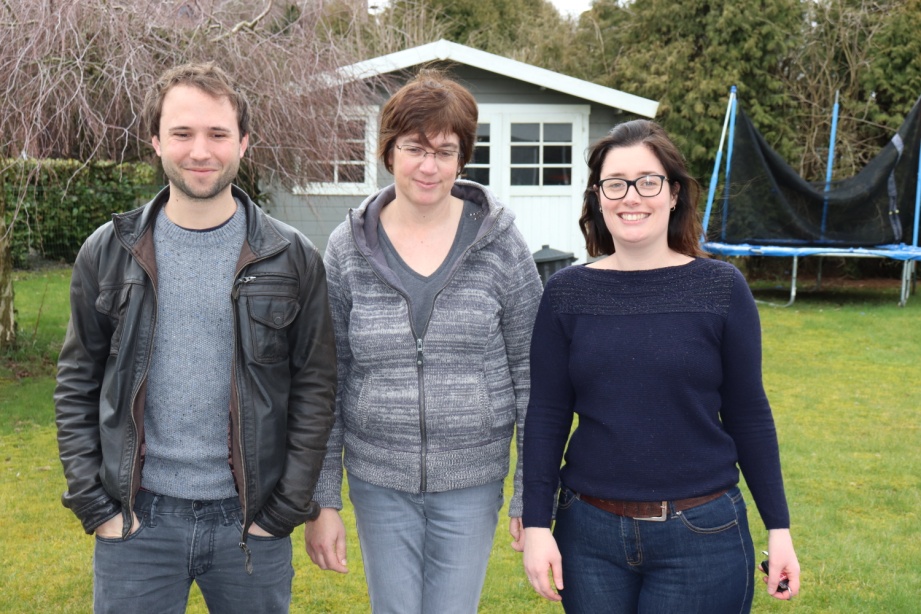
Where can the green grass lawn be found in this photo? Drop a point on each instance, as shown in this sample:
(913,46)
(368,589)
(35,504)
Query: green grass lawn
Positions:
(841,370)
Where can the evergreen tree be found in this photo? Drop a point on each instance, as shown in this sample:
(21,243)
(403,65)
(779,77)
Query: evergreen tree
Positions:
(687,54)
(503,27)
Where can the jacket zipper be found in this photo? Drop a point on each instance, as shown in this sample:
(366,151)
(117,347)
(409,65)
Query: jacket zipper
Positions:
(235,295)
(136,455)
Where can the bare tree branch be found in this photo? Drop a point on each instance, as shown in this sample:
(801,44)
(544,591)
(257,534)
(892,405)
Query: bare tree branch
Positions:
(245,24)
(73,75)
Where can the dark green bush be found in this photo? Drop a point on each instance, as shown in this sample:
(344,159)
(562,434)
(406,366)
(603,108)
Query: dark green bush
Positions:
(54,205)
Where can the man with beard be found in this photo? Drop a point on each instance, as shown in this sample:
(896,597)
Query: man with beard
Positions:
(197,378)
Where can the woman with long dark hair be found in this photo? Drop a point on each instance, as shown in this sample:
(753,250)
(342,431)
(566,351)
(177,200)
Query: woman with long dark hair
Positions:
(658,351)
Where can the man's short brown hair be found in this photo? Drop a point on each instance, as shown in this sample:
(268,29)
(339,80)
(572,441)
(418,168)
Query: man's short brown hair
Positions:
(207,77)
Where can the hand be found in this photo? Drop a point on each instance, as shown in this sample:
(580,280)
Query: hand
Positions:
(541,559)
(324,539)
(782,563)
(112,528)
(255,529)
(517,532)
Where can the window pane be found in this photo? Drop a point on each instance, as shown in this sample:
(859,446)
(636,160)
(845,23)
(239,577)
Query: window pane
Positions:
(351,173)
(480,155)
(559,133)
(353,130)
(557,154)
(320,172)
(557,176)
(482,133)
(480,175)
(524,176)
(525,133)
(355,152)
(525,155)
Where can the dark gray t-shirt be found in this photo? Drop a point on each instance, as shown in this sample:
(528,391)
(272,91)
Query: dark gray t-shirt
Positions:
(420,289)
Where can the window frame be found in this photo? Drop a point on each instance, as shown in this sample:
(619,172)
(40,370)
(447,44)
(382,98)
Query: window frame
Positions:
(500,117)
(370,116)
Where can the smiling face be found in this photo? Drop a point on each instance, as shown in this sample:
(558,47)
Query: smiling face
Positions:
(199,144)
(634,221)
(424,181)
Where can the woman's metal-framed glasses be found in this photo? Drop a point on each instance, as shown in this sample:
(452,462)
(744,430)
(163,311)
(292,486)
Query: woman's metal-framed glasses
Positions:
(647,185)
(442,156)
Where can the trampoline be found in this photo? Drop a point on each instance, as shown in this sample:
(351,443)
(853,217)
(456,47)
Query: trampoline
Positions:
(766,209)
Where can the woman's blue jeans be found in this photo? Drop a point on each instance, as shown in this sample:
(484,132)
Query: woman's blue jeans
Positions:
(699,560)
(425,553)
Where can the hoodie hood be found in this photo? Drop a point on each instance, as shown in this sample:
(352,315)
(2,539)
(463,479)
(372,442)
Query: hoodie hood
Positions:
(365,219)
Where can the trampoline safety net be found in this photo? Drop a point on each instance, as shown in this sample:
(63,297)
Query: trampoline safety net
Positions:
(765,202)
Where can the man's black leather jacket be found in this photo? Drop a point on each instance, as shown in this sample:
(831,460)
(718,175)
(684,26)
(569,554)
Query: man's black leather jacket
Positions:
(283,382)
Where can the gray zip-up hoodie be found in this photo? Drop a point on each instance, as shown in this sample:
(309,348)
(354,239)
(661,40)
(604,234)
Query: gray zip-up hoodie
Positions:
(436,410)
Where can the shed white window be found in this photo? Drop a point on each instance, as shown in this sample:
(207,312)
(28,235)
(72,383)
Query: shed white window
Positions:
(354,169)
(478,168)
(541,153)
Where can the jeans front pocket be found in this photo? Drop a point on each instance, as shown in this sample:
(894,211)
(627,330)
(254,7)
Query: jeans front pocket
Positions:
(715,516)
(566,498)
(142,524)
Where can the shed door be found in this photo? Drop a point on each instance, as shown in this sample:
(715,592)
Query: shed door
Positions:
(533,158)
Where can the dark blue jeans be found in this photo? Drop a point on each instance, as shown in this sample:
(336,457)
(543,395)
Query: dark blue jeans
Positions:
(699,560)
(180,541)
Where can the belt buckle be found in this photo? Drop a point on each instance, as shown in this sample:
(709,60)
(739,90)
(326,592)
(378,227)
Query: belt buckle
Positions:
(660,518)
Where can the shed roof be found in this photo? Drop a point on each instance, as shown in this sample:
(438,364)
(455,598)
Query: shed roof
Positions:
(446,50)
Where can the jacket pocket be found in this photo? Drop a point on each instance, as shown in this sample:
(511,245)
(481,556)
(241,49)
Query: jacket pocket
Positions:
(113,302)
(270,317)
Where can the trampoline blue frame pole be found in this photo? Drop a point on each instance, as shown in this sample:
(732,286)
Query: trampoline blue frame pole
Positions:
(914,237)
(732,133)
(716,166)
(831,160)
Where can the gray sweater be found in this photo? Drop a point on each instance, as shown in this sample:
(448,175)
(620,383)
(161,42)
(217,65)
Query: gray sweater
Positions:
(187,409)
(435,413)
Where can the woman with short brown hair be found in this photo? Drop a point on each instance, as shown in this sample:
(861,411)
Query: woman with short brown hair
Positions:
(433,293)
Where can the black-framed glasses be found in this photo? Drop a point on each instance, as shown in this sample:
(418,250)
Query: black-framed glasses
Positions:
(647,185)
(441,155)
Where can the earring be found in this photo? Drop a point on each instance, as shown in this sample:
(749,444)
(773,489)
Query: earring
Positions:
(673,207)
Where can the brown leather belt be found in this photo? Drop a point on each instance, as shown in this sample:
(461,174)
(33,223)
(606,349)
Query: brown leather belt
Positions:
(656,511)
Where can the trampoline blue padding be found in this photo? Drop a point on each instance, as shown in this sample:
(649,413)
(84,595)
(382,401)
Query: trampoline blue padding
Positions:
(908,254)
(894,252)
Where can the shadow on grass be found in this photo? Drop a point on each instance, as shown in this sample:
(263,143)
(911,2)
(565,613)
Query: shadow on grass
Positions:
(833,293)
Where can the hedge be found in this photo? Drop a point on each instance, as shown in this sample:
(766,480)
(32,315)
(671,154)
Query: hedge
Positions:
(57,204)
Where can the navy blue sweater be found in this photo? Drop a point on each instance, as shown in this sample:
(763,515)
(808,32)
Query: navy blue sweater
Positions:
(663,368)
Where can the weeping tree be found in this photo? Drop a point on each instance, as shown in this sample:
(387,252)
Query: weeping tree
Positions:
(73,74)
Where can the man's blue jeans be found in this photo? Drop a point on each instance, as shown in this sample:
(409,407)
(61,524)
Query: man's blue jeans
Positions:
(699,560)
(425,553)
(181,541)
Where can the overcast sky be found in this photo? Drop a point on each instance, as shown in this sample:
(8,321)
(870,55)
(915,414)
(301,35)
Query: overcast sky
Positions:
(572,7)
